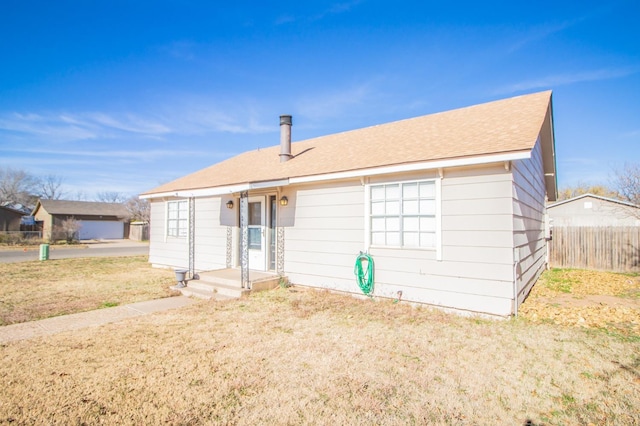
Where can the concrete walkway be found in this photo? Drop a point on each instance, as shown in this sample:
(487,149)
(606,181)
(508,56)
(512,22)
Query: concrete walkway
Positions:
(49,326)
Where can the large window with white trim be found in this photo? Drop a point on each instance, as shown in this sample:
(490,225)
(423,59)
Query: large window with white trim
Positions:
(404,214)
(177,218)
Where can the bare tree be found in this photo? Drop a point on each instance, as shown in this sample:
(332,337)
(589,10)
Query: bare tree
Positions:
(139,209)
(627,182)
(582,188)
(111,197)
(68,229)
(17,186)
(51,187)
(80,196)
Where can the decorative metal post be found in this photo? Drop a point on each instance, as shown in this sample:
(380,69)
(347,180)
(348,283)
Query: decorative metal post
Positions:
(244,231)
(280,252)
(192,236)
(229,254)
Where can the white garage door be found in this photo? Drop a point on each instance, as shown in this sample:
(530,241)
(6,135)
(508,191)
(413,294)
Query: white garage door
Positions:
(101,230)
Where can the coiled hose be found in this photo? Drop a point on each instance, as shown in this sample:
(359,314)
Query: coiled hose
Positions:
(365,278)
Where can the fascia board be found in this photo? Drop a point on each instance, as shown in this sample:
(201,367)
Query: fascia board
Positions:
(427,165)
(221,190)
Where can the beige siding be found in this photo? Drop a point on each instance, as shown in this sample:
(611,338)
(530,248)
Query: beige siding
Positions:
(163,250)
(210,237)
(327,231)
(475,272)
(528,221)
(324,232)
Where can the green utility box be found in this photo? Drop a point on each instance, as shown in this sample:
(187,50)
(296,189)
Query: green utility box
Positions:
(44,251)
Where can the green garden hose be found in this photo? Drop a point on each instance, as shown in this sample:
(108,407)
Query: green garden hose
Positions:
(365,278)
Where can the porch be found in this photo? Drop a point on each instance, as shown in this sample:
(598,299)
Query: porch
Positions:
(225,284)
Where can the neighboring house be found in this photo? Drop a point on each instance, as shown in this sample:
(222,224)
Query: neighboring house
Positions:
(10,218)
(593,210)
(450,206)
(98,220)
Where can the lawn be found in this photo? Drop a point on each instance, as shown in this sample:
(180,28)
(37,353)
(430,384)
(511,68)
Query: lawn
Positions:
(36,290)
(294,356)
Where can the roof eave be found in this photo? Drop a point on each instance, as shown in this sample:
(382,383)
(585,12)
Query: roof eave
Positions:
(349,174)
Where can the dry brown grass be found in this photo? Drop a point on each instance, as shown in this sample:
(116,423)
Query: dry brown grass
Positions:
(36,290)
(588,299)
(304,357)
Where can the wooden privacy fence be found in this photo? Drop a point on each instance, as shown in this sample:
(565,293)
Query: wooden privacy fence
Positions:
(600,248)
(139,231)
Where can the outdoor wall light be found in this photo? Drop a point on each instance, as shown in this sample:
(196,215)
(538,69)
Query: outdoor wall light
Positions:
(284,200)
(229,204)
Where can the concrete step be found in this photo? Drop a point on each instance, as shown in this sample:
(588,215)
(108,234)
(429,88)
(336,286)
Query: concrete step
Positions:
(234,290)
(204,294)
(227,283)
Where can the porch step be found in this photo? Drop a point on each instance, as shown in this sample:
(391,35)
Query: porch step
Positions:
(227,284)
(203,294)
(226,288)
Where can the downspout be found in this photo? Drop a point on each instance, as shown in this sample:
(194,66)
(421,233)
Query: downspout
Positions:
(516,260)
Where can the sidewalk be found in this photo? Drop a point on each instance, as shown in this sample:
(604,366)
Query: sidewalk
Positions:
(49,326)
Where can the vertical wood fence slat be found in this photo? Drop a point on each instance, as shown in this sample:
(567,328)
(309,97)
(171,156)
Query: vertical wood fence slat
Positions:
(600,248)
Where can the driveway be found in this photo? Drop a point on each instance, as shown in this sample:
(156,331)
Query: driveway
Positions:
(102,248)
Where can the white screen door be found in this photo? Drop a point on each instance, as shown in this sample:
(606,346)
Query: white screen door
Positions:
(257,234)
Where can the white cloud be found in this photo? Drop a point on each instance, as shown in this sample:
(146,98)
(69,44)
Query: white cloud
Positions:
(69,127)
(556,80)
(334,9)
(539,33)
(327,105)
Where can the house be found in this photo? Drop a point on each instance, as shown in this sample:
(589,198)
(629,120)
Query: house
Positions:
(450,207)
(594,232)
(593,210)
(10,218)
(98,220)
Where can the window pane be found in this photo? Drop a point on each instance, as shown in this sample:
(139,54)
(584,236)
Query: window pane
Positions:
(393,207)
(377,224)
(173,214)
(393,238)
(255,240)
(410,224)
(410,207)
(428,207)
(377,192)
(377,208)
(410,190)
(427,190)
(411,239)
(393,192)
(427,239)
(377,238)
(393,224)
(428,223)
(255,213)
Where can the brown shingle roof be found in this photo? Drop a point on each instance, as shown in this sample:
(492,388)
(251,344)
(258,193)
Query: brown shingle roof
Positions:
(504,126)
(84,208)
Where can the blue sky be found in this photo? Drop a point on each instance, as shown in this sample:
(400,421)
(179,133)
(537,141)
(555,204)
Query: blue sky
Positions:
(126,95)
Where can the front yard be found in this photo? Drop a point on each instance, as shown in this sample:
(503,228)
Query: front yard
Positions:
(294,356)
(36,290)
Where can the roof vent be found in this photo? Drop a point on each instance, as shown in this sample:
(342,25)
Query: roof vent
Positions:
(285,138)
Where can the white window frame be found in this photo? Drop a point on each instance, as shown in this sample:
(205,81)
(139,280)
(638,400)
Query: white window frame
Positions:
(436,216)
(181,223)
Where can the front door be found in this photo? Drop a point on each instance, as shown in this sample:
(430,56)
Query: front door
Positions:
(257,234)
